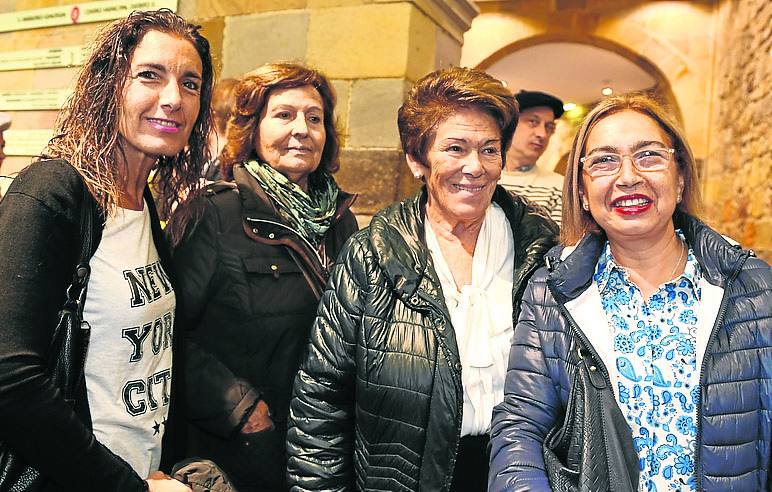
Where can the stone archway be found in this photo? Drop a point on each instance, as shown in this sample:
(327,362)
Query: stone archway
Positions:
(574,68)
(661,88)
(674,41)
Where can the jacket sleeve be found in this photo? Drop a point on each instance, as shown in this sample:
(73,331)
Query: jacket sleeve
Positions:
(37,236)
(320,439)
(530,408)
(216,400)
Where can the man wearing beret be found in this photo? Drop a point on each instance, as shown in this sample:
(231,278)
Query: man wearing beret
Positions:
(538,112)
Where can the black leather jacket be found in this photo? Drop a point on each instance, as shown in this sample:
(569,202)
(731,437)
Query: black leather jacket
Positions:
(734,436)
(377,403)
(247,297)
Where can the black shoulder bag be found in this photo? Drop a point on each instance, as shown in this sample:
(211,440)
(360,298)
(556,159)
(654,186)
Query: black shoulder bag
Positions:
(592,449)
(66,356)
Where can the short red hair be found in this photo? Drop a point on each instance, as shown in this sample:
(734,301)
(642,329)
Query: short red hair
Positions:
(437,95)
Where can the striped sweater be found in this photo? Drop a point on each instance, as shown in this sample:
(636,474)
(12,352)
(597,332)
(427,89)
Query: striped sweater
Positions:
(539,186)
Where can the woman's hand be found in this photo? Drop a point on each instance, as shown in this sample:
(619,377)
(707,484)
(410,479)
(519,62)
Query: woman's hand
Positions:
(158,481)
(259,419)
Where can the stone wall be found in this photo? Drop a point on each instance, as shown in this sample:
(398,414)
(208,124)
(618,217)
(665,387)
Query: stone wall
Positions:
(373,51)
(738,174)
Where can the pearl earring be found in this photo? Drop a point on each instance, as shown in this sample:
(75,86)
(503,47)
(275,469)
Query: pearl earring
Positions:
(418,176)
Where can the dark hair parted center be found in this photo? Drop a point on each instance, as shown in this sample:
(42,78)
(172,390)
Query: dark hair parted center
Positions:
(86,131)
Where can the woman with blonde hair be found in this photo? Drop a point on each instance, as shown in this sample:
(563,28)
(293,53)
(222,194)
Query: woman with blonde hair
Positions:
(670,322)
(141,103)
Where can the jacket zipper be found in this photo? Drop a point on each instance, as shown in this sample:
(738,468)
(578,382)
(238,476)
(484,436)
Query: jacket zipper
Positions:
(459,404)
(432,307)
(596,359)
(305,241)
(716,326)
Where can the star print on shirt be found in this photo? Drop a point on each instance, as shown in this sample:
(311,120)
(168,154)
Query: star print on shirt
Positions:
(157,426)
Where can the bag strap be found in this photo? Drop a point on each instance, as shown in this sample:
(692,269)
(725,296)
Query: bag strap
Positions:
(585,361)
(76,292)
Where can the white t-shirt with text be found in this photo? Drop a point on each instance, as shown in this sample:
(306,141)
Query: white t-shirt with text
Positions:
(130,308)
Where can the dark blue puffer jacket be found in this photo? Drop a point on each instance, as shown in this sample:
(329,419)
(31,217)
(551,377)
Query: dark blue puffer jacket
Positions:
(735,409)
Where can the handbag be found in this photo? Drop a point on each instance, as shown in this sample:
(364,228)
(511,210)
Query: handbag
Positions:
(66,357)
(202,475)
(592,449)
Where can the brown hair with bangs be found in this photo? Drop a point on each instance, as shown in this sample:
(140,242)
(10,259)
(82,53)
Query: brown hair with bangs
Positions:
(252,93)
(576,222)
(438,94)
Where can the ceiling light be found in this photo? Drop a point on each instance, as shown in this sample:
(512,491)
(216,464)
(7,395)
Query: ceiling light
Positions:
(607,91)
(569,106)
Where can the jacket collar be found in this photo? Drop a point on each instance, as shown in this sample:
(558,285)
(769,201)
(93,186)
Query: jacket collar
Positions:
(397,236)
(718,258)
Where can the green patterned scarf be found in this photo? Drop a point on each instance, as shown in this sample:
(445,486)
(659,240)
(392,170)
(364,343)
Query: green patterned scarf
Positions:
(310,214)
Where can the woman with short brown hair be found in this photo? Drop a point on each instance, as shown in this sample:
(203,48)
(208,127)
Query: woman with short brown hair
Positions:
(252,95)
(252,258)
(408,353)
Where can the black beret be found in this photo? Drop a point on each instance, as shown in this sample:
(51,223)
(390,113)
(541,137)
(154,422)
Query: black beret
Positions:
(533,99)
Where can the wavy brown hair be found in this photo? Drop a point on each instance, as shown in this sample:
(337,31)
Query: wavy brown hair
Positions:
(437,95)
(86,131)
(576,222)
(252,95)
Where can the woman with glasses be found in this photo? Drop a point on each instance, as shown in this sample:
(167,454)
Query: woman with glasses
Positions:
(675,317)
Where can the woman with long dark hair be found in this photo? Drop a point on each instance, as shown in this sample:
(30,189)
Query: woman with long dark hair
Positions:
(141,103)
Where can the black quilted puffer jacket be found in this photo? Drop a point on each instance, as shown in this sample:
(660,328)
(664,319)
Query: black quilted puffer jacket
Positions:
(377,403)
(735,408)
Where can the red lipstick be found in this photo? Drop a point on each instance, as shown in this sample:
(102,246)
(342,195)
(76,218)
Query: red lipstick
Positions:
(631,204)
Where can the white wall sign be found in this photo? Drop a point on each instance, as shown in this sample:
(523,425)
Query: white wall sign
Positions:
(34,100)
(26,142)
(69,56)
(82,13)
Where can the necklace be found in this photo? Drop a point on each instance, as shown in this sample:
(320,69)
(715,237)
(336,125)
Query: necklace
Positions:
(678,262)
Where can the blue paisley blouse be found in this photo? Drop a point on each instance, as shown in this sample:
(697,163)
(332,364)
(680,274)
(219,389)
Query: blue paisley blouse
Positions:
(657,378)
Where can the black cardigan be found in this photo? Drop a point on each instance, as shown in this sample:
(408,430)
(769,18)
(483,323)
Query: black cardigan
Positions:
(39,247)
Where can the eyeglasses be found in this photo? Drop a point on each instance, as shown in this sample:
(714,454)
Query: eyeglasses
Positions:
(608,163)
